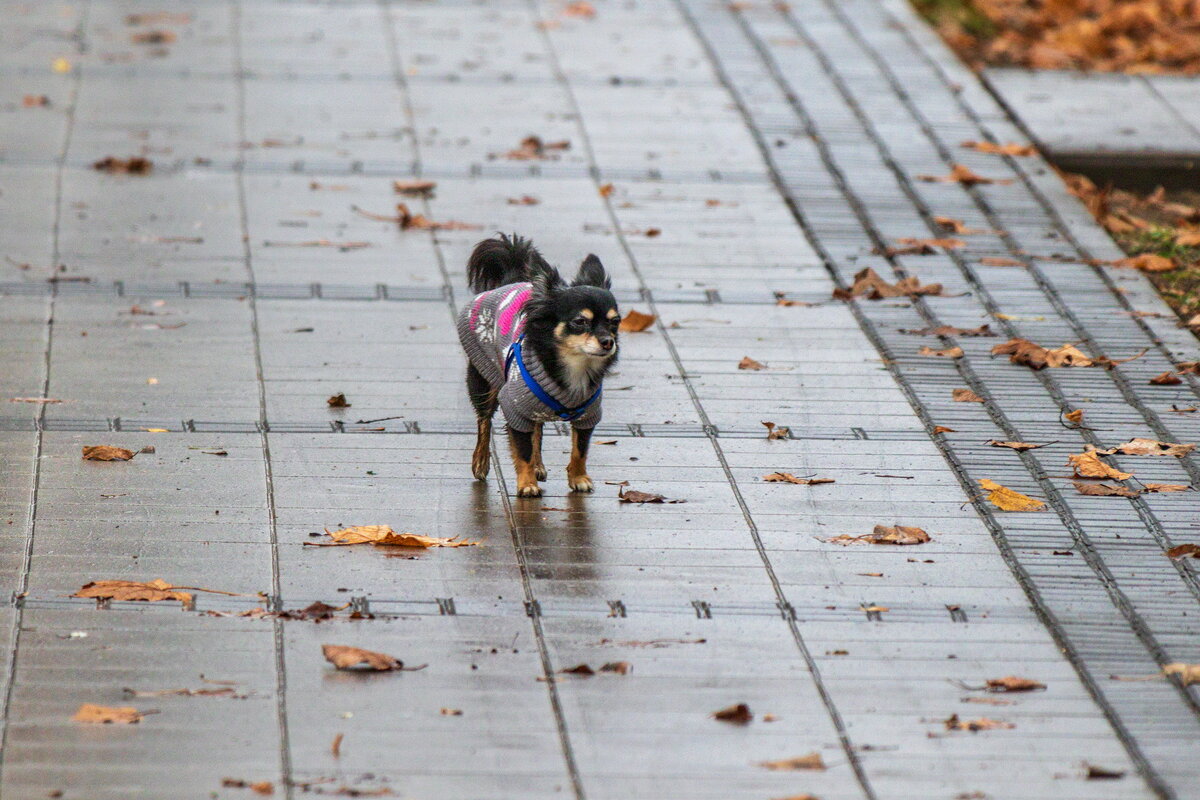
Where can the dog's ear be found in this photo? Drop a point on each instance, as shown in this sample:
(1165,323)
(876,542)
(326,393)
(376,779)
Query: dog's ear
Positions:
(546,282)
(591,273)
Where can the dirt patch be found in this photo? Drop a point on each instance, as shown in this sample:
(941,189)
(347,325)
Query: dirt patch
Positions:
(1134,36)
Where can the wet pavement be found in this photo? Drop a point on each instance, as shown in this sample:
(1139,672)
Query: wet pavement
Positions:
(773,149)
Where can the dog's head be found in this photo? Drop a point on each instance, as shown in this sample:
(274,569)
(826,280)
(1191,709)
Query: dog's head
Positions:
(579,321)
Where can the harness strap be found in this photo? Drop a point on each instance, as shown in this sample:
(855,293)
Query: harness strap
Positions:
(563,412)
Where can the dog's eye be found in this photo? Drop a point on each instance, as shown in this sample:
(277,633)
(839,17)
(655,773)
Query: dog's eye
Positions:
(579,324)
(614,323)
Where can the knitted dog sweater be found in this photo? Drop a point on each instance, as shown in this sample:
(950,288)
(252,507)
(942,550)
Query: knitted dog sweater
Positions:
(487,328)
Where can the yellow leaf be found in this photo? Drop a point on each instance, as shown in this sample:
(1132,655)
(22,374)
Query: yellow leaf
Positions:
(61,65)
(89,712)
(1006,499)
(1090,465)
(384,536)
(1188,673)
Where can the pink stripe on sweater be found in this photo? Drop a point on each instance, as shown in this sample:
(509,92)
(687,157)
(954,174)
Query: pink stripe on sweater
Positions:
(510,313)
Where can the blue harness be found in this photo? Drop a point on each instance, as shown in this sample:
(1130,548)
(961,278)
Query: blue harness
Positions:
(564,413)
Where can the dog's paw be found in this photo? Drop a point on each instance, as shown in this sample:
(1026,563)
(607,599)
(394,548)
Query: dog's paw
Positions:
(480,471)
(581,483)
(539,471)
(533,490)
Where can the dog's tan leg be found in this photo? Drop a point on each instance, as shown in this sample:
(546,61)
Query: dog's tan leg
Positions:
(577,477)
(481,461)
(521,445)
(539,467)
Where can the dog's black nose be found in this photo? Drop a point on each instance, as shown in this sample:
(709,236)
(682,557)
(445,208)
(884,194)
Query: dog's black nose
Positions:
(607,343)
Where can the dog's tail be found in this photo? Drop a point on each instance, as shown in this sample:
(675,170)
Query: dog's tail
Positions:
(502,260)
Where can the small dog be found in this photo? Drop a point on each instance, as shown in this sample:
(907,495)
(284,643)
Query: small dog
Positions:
(539,349)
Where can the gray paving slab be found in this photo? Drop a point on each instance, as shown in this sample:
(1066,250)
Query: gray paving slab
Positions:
(773,149)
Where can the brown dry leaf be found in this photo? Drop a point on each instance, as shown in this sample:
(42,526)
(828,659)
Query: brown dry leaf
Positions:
(384,536)
(1147,262)
(532,148)
(1150,447)
(105,715)
(151,592)
(410,221)
(811,761)
(950,330)
(414,188)
(1188,673)
(749,363)
(1104,490)
(995,261)
(1090,465)
(606,190)
(950,352)
(928,245)
(153,37)
(104,452)
(964,175)
(134,165)
(259,787)
(991,148)
(344,657)
(451,712)
(1023,351)
(635,321)
(524,200)
(965,396)
(952,225)
(1006,499)
(738,714)
(1020,447)
(953,723)
(1183,238)
(578,669)
(1154,488)
(338,401)
(868,282)
(1011,683)
(1184,551)
(942,429)
(776,432)
(1167,378)
(1075,416)
(787,477)
(580,8)
(632,496)
(35,101)
(617,667)
(885,534)
(1095,773)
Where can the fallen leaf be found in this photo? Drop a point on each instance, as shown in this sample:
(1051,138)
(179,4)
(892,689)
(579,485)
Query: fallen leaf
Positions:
(635,321)
(942,429)
(103,452)
(1090,465)
(787,477)
(950,330)
(1103,490)
(930,244)
(1188,238)
(964,175)
(1155,488)
(873,609)
(617,667)
(60,65)
(1150,447)
(153,37)
(344,657)
(951,352)
(407,220)
(994,261)
(776,432)
(259,787)
(738,714)
(338,401)
(1147,262)
(105,715)
(35,101)
(1020,447)
(151,592)
(868,282)
(953,723)
(523,200)
(1184,551)
(884,534)
(451,712)
(749,363)
(1167,378)
(384,536)
(1095,773)
(532,147)
(1188,673)
(1011,683)
(951,225)
(1023,351)
(1075,416)
(134,165)
(414,188)
(578,669)
(811,761)
(1006,499)
(631,496)
(580,8)
(606,190)
(991,148)
(965,396)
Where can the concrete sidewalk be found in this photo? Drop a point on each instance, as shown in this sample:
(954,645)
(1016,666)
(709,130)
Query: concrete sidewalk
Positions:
(774,149)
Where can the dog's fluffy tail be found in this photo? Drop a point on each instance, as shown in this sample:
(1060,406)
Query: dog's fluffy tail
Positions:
(503,260)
